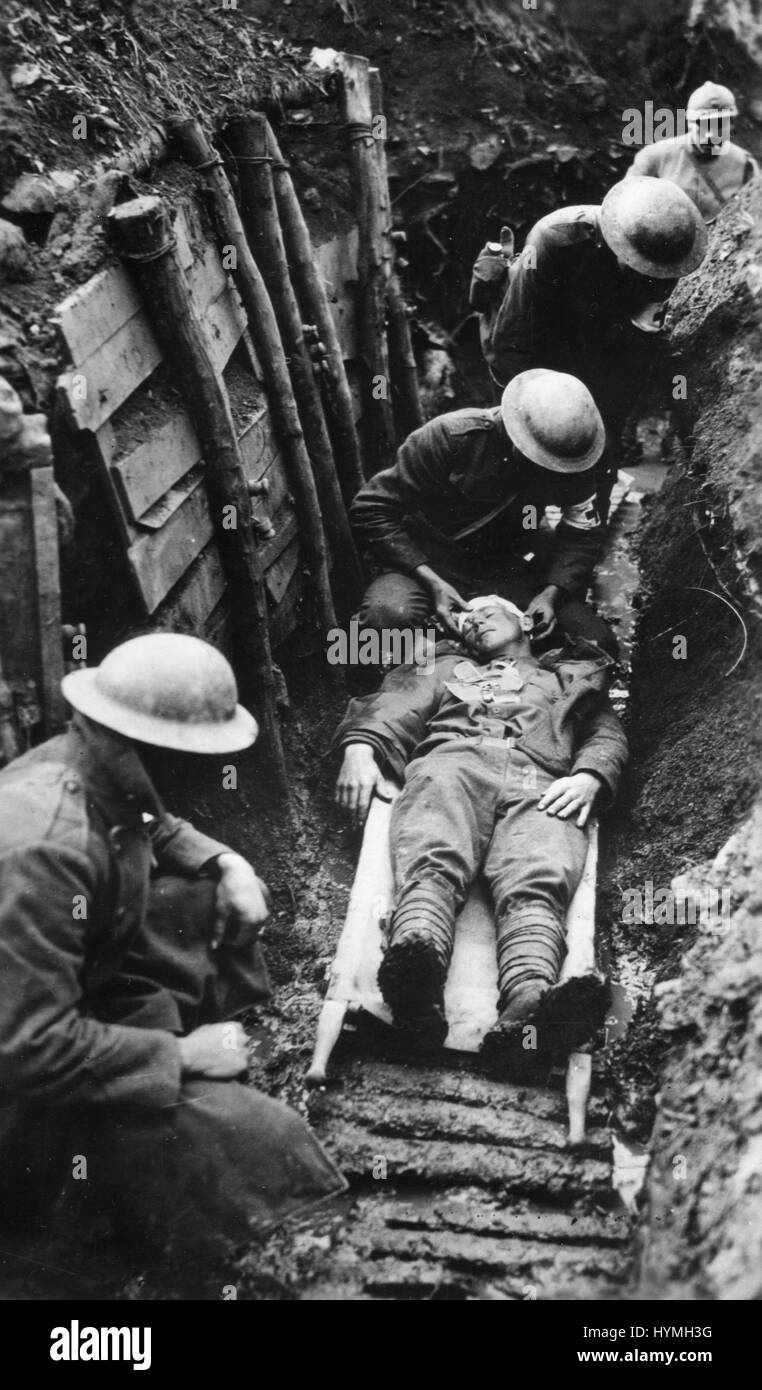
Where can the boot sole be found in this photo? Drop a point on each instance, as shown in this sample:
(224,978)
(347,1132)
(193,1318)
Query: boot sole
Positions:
(411,980)
(505,1056)
(571,1013)
(567,1016)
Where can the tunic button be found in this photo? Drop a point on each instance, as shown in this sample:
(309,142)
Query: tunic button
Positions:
(119,914)
(72,785)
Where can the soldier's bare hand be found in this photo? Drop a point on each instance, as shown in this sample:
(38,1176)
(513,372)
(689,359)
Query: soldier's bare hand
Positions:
(542,611)
(570,796)
(358,778)
(216,1050)
(242,904)
(445,599)
(447,605)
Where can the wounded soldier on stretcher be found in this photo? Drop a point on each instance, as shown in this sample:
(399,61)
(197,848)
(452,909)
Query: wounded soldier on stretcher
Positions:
(504,756)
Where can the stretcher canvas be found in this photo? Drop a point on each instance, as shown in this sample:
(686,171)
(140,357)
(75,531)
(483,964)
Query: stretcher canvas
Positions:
(471,989)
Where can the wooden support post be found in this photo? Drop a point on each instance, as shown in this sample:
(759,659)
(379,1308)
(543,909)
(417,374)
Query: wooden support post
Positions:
(9,743)
(142,234)
(401,356)
(356,109)
(263,327)
(316,309)
(248,142)
(47,571)
(26,454)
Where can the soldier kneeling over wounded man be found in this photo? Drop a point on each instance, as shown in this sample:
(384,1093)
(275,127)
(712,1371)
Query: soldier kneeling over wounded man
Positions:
(128,949)
(504,757)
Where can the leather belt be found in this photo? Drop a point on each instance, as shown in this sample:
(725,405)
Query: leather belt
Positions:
(495,733)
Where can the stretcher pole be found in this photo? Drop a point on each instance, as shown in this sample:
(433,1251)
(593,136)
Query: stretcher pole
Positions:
(578,1077)
(580,964)
(370,900)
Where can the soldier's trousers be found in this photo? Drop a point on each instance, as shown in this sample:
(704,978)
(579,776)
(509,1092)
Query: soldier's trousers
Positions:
(220,1166)
(470,806)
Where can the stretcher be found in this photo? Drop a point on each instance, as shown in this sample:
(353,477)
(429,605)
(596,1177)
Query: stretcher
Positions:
(471,987)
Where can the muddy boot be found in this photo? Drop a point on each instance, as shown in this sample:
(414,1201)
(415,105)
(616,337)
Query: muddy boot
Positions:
(510,1047)
(414,968)
(530,949)
(569,1014)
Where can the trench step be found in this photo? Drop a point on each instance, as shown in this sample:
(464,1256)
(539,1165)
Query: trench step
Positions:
(479,1254)
(478,1213)
(551,1175)
(412,1117)
(464,1087)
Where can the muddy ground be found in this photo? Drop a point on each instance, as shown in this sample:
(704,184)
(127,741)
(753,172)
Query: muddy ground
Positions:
(502,122)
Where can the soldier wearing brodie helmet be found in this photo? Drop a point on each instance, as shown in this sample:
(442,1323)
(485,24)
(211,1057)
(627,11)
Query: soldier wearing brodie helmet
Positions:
(587,295)
(459,512)
(128,950)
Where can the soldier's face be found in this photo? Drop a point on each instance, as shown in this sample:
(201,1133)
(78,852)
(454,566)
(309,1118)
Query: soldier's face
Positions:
(489,630)
(710,134)
(541,482)
(639,290)
(168,768)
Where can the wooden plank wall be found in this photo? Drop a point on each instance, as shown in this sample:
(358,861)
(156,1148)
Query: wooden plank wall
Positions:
(118,389)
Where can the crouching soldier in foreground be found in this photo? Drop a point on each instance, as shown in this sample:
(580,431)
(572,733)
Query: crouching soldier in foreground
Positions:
(128,946)
(503,757)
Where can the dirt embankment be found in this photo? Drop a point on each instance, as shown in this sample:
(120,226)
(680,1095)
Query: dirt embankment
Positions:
(694,781)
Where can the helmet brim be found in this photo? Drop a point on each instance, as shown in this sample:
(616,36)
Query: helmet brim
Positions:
(616,239)
(519,433)
(211,736)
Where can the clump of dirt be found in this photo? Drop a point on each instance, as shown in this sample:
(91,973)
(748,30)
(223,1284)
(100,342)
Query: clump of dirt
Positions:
(125,68)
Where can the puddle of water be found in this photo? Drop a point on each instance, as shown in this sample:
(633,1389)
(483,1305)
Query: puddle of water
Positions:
(620,1012)
(617,579)
(630,1165)
(617,582)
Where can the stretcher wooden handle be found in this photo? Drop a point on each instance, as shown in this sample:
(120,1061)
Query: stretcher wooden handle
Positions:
(371,894)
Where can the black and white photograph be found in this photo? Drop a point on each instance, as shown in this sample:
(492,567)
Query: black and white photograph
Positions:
(381,663)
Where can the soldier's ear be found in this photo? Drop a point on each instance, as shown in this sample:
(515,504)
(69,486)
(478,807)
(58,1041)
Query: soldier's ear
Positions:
(527,623)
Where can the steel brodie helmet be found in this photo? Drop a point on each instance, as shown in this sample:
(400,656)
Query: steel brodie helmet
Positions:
(654,227)
(166,689)
(554,421)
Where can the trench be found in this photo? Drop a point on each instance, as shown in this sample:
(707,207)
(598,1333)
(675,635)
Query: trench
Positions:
(463,1187)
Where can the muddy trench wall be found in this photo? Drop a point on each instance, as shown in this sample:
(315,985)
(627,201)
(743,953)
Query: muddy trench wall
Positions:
(691,819)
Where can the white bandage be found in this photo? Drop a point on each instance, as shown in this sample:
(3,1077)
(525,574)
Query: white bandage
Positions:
(489,601)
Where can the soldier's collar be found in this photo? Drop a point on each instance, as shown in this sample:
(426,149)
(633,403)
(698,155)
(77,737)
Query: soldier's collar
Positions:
(114,775)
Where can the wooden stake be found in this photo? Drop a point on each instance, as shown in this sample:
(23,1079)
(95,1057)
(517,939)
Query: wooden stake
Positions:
(47,573)
(401,356)
(142,234)
(263,327)
(356,109)
(316,309)
(248,142)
